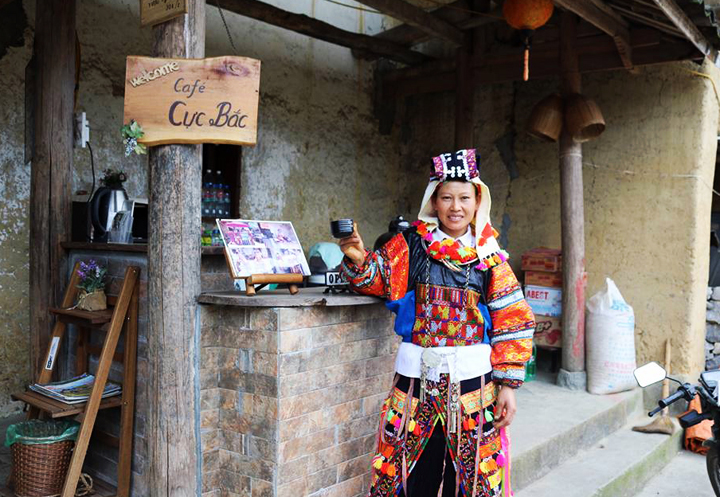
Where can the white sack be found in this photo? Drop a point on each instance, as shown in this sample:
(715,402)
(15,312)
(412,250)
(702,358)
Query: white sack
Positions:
(609,342)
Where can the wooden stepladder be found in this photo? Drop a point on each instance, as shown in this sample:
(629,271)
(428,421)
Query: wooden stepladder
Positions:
(121,314)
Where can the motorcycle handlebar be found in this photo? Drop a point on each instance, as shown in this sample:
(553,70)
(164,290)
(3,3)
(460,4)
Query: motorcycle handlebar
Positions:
(663,403)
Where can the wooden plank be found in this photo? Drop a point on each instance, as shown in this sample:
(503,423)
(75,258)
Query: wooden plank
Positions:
(157,11)
(407,35)
(104,364)
(84,317)
(211,100)
(95,350)
(106,438)
(127,415)
(58,409)
(417,17)
(82,349)
(44,375)
(464,99)
(52,164)
(503,67)
(173,286)
(313,296)
(110,247)
(678,17)
(309,26)
(604,19)
(572,219)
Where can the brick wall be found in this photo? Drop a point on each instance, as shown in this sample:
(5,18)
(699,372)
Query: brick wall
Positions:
(290,398)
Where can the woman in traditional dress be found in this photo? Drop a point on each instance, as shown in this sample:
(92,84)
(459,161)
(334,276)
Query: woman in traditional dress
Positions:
(467,334)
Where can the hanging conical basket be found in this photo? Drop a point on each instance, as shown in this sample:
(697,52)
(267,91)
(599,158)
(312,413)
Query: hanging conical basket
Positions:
(546,118)
(583,118)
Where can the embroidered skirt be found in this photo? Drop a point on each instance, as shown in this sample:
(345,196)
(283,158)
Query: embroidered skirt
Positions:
(474,447)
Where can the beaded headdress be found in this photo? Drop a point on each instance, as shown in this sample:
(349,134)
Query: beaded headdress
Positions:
(463,166)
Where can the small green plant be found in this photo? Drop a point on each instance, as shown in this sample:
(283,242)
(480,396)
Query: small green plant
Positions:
(131,133)
(113,179)
(92,276)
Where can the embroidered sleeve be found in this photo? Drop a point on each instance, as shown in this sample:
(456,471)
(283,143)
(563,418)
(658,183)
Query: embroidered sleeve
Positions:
(383,273)
(513,325)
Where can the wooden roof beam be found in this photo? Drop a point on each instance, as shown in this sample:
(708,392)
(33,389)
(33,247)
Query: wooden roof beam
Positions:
(678,17)
(598,53)
(315,28)
(417,17)
(600,15)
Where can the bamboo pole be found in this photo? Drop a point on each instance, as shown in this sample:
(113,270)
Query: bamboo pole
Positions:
(572,373)
(173,286)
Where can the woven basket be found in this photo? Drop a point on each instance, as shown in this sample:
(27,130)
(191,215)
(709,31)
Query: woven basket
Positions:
(583,118)
(546,118)
(40,470)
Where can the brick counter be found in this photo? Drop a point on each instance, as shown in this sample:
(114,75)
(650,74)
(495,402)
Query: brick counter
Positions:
(290,396)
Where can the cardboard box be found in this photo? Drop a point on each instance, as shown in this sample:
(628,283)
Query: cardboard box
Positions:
(548,331)
(544,300)
(542,278)
(542,259)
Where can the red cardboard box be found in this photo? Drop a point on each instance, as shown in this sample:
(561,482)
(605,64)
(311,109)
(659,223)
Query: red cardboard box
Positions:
(542,259)
(542,278)
(548,331)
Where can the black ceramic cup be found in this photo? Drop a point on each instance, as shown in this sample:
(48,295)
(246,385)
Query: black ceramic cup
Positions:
(342,228)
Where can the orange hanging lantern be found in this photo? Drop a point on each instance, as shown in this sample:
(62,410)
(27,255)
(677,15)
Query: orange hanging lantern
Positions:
(527,16)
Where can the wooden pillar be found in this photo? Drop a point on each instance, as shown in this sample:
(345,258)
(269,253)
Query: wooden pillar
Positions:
(572,373)
(464,98)
(52,162)
(173,286)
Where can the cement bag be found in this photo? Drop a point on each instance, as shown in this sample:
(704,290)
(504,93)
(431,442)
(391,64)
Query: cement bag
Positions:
(610,342)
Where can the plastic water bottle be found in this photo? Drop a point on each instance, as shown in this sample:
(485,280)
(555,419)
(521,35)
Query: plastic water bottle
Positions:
(226,200)
(216,238)
(206,187)
(531,366)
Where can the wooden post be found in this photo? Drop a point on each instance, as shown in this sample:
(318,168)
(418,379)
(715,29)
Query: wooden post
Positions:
(572,374)
(464,96)
(173,286)
(52,161)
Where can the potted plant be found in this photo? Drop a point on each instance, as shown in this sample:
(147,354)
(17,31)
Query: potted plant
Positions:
(92,287)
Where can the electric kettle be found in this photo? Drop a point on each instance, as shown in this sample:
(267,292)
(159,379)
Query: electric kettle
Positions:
(104,205)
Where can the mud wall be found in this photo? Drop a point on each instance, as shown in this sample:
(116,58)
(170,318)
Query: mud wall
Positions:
(647,186)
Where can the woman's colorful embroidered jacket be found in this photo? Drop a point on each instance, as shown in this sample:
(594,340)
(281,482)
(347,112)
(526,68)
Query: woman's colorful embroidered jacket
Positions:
(491,309)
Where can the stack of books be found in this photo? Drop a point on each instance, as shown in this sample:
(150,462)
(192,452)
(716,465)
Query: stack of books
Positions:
(75,390)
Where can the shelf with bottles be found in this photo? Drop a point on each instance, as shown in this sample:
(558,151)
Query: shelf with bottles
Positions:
(216,196)
(221,181)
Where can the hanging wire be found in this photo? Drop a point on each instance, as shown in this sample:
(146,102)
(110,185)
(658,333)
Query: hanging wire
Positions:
(227,29)
(435,2)
(355,7)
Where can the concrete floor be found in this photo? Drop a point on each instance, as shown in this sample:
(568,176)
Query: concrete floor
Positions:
(684,476)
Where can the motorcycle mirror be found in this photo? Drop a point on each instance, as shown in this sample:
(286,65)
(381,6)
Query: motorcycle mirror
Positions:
(650,373)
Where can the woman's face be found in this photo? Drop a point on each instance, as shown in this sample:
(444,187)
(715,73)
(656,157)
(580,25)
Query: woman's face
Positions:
(455,203)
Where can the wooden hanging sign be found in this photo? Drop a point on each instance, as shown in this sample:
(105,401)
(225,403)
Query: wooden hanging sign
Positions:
(212,100)
(157,11)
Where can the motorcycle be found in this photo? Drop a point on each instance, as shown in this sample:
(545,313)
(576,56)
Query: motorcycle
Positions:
(708,389)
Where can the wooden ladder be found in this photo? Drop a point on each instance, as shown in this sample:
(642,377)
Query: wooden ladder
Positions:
(122,313)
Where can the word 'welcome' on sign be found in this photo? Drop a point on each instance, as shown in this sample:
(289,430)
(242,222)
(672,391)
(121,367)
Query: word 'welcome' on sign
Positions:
(211,100)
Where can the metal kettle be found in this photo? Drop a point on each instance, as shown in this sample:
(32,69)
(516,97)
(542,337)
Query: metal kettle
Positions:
(104,205)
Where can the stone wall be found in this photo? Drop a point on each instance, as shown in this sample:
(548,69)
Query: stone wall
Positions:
(290,398)
(712,334)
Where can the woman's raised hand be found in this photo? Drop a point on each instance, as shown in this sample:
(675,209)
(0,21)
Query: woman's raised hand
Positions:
(353,247)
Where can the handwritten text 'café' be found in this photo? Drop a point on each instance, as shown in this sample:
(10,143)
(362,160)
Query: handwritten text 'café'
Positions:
(211,100)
